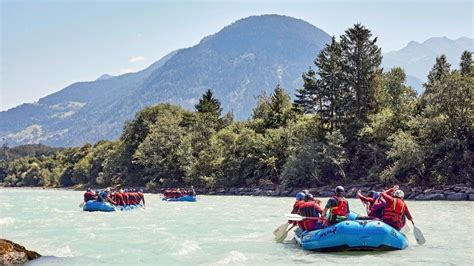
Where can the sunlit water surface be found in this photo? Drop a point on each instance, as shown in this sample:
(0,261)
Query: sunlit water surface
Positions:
(216,230)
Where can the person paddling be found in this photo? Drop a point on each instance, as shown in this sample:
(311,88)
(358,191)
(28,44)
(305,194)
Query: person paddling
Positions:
(396,209)
(89,195)
(374,202)
(338,207)
(310,209)
(118,198)
(191,192)
(104,196)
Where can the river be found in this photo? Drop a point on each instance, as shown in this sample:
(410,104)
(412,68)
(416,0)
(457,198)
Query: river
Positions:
(216,230)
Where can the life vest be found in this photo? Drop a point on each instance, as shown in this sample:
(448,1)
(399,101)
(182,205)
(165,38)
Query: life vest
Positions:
(308,209)
(341,208)
(125,198)
(394,214)
(118,198)
(132,198)
(89,196)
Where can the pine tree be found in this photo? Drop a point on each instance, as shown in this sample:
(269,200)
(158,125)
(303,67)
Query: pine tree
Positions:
(361,59)
(466,64)
(440,71)
(209,105)
(305,97)
(334,99)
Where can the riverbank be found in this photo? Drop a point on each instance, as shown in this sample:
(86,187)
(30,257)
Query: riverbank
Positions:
(458,192)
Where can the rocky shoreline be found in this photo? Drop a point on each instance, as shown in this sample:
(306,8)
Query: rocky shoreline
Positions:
(459,192)
(14,254)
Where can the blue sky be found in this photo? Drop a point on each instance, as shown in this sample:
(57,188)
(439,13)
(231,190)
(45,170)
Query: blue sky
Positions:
(49,45)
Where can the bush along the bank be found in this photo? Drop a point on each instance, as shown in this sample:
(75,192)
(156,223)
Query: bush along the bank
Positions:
(350,123)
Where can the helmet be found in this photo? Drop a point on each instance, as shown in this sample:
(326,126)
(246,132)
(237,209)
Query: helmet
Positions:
(308,197)
(339,190)
(306,191)
(371,193)
(399,194)
(300,196)
(88,189)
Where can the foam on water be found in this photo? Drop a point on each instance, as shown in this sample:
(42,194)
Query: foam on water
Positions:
(234,257)
(7,221)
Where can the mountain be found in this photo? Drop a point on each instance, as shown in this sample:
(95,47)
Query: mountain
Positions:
(238,63)
(104,77)
(417,59)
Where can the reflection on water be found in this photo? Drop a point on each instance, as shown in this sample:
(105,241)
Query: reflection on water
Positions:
(217,230)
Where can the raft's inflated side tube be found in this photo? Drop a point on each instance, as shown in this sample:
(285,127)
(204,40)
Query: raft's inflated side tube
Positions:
(99,206)
(353,235)
(183,198)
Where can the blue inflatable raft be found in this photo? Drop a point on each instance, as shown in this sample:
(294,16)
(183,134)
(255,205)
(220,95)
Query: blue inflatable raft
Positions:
(99,206)
(352,235)
(183,198)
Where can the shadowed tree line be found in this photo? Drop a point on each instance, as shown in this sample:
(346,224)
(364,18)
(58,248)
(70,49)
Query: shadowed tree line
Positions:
(350,122)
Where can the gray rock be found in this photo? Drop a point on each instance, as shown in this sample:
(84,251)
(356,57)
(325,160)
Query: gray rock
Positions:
(421,197)
(436,196)
(471,197)
(326,194)
(457,196)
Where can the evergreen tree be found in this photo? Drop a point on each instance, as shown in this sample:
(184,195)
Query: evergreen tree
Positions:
(440,70)
(466,64)
(361,59)
(305,97)
(333,99)
(209,105)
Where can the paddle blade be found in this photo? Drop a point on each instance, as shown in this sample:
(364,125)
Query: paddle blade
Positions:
(279,231)
(420,239)
(81,205)
(282,237)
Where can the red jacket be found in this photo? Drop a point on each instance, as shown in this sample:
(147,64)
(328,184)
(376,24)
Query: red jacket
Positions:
(118,198)
(89,196)
(395,212)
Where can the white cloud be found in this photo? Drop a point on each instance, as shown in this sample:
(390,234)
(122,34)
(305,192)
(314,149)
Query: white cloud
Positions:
(134,59)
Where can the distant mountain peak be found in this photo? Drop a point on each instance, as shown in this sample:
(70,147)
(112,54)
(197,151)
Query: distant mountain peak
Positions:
(242,60)
(104,77)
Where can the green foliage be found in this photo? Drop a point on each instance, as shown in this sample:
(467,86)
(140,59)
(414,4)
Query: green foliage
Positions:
(349,123)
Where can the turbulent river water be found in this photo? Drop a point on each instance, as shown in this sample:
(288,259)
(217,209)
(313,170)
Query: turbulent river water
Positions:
(216,230)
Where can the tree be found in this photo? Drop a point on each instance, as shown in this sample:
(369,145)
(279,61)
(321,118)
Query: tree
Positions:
(361,60)
(334,99)
(305,97)
(466,65)
(209,104)
(274,111)
(439,71)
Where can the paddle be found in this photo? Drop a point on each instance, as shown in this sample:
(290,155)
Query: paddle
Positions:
(297,218)
(406,229)
(420,239)
(280,229)
(281,238)
(81,205)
